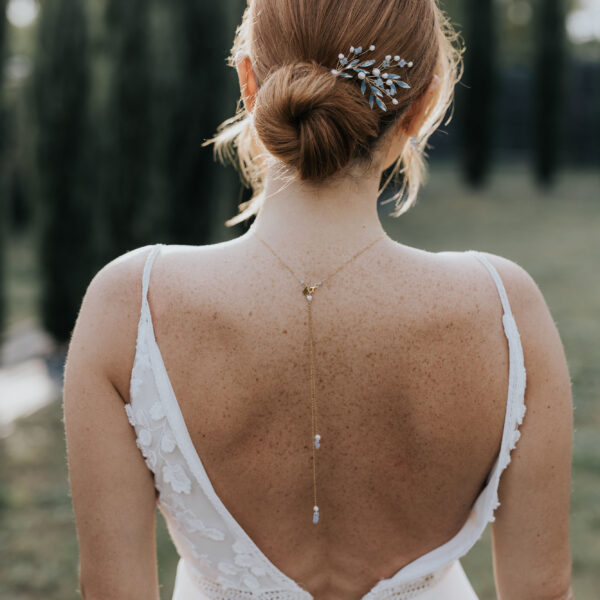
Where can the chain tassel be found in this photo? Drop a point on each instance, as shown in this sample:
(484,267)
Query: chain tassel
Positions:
(309,291)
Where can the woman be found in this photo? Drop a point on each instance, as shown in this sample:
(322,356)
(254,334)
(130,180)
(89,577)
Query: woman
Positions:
(320,411)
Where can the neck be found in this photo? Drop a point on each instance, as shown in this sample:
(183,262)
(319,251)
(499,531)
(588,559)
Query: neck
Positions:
(325,217)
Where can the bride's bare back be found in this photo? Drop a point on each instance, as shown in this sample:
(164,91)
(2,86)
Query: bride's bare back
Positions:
(412,377)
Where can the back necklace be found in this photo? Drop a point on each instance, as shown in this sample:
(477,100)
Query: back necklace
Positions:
(308,290)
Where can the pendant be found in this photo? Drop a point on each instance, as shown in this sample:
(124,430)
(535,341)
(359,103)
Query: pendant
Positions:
(315,514)
(317,441)
(309,290)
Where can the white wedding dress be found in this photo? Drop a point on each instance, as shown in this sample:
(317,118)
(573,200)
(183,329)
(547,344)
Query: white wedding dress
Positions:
(218,560)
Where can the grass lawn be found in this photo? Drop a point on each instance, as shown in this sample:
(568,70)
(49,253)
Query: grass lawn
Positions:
(554,235)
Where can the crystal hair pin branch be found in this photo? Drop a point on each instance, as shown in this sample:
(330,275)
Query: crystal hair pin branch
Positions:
(378,82)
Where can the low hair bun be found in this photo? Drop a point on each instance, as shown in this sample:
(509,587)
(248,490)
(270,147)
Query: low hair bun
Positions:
(312,120)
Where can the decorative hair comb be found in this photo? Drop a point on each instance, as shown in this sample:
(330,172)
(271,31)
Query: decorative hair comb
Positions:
(378,82)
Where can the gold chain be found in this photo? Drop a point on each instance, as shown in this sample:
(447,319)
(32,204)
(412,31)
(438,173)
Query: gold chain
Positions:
(308,291)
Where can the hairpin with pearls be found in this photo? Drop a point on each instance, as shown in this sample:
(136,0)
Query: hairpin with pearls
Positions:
(379,83)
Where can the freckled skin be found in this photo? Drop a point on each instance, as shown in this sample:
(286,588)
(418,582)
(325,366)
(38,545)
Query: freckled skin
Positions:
(411,373)
(411,385)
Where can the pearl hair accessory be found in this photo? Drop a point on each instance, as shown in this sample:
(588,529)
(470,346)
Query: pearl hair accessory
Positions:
(380,83)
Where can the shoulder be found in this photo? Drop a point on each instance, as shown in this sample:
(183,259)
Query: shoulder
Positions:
(113,296)
(104,335)
(529,308)
(538,331)
(543,350)
(122,274)
(524,294)
(117,286)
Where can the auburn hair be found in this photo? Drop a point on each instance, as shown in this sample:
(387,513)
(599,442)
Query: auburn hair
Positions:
(318,123)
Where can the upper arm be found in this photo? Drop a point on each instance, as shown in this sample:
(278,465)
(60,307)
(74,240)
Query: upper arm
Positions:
(532,558)
(113,492)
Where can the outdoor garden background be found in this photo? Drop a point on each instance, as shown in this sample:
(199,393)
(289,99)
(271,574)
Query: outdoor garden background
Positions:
(104,105)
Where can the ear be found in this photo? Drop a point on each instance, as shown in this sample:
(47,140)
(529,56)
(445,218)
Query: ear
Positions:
(411,123)
(420,108)
(248,86)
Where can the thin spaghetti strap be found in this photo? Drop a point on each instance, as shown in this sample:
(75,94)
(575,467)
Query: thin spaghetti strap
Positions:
(510,325)
(145,321)
(517,380)
(497,280)
(146,274)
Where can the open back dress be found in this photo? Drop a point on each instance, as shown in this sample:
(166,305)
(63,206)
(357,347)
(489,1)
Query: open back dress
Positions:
(218,559)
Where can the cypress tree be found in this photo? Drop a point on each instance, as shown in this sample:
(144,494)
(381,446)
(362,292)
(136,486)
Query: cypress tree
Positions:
(3,202)
(129,127)
(203,98)
(478,98)
(60,95)
(18,210)
(549,87)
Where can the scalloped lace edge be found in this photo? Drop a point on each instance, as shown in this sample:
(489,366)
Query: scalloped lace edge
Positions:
(517,409)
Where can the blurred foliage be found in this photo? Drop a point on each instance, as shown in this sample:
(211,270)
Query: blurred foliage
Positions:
(3,24)
(549,84)
(120,104)
(128,161)
(61,85)
(478,100)
(3,186)
(202,100)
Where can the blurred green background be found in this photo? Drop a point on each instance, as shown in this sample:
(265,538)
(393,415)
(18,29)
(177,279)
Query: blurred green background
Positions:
(104,105)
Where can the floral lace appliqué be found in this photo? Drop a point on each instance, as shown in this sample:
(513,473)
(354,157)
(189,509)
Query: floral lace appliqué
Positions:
(176,476)
(145,432)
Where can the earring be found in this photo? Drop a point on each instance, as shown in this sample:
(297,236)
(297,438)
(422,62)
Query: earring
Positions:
(414,143)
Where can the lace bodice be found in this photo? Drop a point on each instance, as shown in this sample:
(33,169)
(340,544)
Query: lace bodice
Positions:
(216,553)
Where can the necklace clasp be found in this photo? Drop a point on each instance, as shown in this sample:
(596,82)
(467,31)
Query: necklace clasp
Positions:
(309,290)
